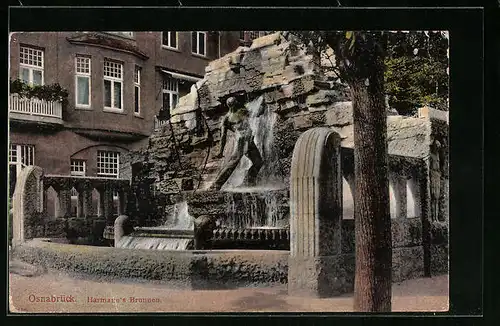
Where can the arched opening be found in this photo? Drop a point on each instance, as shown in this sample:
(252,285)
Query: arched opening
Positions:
(347,200)
(116,203)
(393,201)
(51,202)
(413,203)
(74,202)
(95,203)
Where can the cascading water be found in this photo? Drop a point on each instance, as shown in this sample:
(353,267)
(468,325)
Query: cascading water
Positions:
(254,208)
(262,127)
(153,243)
(179,220)
(271,204)
(259,204)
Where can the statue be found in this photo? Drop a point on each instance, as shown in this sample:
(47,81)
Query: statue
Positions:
(237,120)
(435,168)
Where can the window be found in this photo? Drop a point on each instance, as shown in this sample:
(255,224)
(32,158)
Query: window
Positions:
(21,156)
(256,34)
(108,163)
(113,91)
(198,42)
(78,167)
(169,39)
(170,93)
(137,90)
(82,82)
(31,65)
(242,35)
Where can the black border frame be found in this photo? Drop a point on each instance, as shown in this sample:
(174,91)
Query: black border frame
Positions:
(466,116)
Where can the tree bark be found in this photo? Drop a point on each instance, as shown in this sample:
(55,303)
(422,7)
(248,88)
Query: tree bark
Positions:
(363,70)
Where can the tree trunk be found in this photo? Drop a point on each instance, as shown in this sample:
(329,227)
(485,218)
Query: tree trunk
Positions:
(364,69)
(372,284)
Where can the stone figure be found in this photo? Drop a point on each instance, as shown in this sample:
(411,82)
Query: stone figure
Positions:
(203,232)
(435,167)
(237,120)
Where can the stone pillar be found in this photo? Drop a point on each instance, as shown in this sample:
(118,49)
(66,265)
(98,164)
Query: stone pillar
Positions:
(426,222)
(28,190)
(79,204)
(108,204)
(45,199)
(315,266)
(88,208)
(63,202)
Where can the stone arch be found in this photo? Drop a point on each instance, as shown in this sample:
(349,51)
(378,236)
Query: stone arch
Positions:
(315,179)
(27,202)
(315,215)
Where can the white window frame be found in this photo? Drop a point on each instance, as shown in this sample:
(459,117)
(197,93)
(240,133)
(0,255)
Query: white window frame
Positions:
(169,46)
(256,34)
(21,151)
(198,43)
(137,85)
(113,80)
(31,67)
(74,165)
(109,155)
(172,90)
(83,74)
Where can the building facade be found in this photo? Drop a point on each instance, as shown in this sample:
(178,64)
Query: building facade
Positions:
(117,82)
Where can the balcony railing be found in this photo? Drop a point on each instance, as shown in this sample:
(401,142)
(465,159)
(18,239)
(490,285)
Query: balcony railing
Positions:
(35,109)
(158,124)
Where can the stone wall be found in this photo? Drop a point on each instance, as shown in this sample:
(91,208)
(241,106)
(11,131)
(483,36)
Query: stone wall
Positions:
(407,250)
(191,269)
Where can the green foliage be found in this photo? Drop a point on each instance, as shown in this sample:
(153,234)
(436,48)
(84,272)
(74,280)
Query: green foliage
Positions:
(53,92)
(416,64)
(415,73)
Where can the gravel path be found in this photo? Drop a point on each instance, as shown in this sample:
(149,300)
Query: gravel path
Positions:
(27,290)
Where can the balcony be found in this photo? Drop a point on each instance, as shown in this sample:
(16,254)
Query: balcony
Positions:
(158,124)
(35,110)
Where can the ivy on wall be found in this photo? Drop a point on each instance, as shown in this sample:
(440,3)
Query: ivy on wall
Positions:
(52,92)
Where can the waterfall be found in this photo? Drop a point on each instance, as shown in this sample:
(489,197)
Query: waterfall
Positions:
(253,208)
(152,243)
(180,218)
(271,204)
(263,130)
(230,204)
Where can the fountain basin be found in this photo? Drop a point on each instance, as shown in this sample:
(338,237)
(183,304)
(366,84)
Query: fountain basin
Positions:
(162,232)
(191,269)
